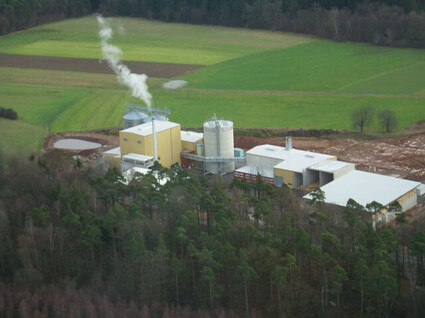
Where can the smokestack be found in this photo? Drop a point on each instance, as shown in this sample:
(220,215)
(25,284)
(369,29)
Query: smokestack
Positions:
(288,144)
(155,154)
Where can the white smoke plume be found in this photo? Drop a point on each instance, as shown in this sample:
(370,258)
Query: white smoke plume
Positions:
(112,54)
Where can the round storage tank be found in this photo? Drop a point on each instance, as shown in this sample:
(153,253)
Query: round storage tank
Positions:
(218,142)
(133,118)
(200,149)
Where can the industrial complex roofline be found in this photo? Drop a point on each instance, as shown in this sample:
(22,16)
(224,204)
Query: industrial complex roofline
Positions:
(212,159)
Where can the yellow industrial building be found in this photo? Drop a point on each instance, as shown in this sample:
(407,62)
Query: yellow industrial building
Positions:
(138,141)
(137,145)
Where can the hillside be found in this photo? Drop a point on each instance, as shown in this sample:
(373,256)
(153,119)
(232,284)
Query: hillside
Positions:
(255,78)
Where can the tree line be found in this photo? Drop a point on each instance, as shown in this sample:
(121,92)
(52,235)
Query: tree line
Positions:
(17,15)
(383,22)
(380,22)
(78,242)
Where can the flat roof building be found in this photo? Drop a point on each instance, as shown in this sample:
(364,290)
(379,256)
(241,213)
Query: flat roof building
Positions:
(289,166)
(191,139)
(139,140)
(365,187)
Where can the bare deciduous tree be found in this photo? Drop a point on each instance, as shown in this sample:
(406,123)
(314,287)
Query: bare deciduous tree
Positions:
(362,117)
(388,120)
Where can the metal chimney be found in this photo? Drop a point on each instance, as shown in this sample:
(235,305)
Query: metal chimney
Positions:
(155,154)
(288,144)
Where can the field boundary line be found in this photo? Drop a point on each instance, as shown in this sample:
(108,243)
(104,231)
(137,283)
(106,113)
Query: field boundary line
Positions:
(378,75)
(197,90)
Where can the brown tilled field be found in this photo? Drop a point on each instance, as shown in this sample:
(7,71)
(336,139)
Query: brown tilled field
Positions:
(162,70)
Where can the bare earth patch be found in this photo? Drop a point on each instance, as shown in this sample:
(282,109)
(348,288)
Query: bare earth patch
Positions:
(163,70)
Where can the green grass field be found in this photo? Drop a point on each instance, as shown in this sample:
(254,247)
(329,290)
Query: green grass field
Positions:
(255,78)
(143,40)
(277,111)
(20,138)
(321,66)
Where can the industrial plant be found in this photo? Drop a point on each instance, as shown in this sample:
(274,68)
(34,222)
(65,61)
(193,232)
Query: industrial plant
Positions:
(149,136)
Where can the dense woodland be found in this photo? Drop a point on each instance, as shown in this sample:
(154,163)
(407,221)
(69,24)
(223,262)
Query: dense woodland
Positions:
(82,244)
(380,22)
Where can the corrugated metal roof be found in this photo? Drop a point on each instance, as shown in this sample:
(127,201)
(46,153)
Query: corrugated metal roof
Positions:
(366,187)
(135,115)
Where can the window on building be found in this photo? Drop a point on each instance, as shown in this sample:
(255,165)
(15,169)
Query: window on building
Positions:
(125,139)
(139,142)
(279,181)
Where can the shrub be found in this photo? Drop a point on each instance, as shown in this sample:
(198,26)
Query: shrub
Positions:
(8,113)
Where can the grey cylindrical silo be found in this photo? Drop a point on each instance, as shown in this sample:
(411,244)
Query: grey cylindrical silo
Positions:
(218,142)
(133,118)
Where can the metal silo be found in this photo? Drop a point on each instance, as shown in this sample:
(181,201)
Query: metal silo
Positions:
(218,142)
(200,150)
(134,118)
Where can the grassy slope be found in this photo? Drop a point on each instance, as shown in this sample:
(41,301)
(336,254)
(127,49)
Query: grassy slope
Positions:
(277,111)
(256,60)
(20,137)
(65,79)
(98,109)
(321,66)
(143,40)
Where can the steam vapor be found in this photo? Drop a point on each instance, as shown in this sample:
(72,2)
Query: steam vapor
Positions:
(112,54)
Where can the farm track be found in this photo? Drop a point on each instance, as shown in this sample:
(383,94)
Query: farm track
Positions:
(291,93)
(162,70)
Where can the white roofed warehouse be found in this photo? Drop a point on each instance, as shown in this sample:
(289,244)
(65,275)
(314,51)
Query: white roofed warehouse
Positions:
(365,188)
(286,165)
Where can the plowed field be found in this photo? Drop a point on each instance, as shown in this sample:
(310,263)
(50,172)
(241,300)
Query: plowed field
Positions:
(162,70)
